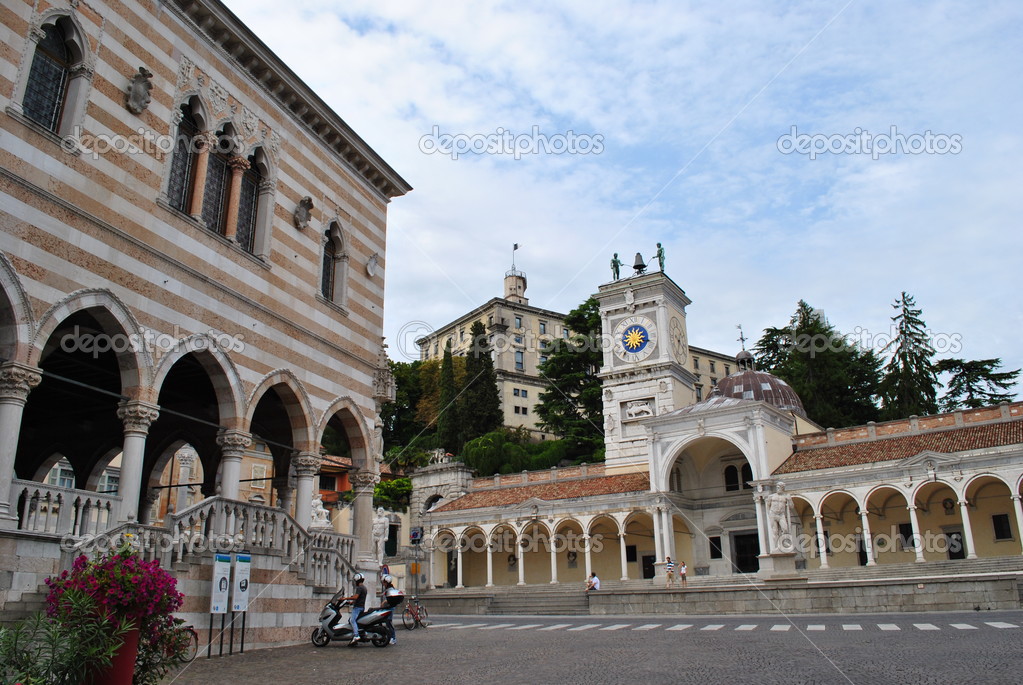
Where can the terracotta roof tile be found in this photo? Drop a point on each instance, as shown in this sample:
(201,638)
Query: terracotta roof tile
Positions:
(567,489)
(905,446)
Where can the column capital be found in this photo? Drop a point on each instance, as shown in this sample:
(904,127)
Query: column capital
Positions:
(818,517)
(137,415)
(238,163)
(364,480)
(206,140)
(17,381)
(233,443)
(912,507)
(306,463)
(1015,498)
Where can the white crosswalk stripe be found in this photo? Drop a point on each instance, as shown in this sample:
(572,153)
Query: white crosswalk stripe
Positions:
(680,626)
(444,625)
(616,626)
(851,626)
(1001,624)
(467,625)
(557,626)
(888,626)
(710,627)
(586,626)
(963,626)
(527,626)
(926,626)
(815,626)
(648,626)
(713,626)
(781,627)
(747,626)
(497,625)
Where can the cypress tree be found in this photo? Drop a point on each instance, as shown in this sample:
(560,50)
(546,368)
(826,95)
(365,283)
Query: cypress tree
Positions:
(909,386)
(479,405)
(447,417)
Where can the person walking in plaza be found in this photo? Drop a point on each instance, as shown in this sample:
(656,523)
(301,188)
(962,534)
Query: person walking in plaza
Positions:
(669,572)
(390,597)
(593,582)
(682,573)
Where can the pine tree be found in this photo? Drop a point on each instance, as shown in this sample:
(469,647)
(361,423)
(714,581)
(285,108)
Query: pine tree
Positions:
(835,379)
(976,383)
(447,417)
(909,386)
(571,407)
(480,404)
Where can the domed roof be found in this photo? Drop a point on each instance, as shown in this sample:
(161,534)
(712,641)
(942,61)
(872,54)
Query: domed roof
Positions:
(749,384)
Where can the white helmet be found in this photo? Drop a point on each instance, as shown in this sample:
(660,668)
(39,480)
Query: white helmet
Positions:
(358,578)
(387,578)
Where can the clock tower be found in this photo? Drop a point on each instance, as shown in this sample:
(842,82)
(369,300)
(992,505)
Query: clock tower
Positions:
(643,373)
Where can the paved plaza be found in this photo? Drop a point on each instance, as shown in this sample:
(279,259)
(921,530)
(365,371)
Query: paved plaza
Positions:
(974,647)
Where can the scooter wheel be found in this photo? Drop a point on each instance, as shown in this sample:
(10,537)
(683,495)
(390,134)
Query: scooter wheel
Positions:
(380,640)
(320,637)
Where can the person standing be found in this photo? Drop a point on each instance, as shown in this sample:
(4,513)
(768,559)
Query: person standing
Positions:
(391,597)
(682,572)
(669,572)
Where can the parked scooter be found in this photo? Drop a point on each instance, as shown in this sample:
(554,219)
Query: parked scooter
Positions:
(334,625)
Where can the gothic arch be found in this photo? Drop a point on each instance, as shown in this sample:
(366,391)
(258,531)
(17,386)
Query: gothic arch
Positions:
(299,410)
(358,433)
(15,314)
(223,374)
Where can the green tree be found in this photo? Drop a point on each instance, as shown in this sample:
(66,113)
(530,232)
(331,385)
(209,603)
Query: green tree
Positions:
(835,379)
(571,406)
(447,417)
(479,407)
(401,425)
(976,383)
(909,385)
(392,494)
(500,451)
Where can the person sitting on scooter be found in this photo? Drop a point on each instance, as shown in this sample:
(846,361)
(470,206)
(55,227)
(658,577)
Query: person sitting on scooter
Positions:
(358,605)
(391,598)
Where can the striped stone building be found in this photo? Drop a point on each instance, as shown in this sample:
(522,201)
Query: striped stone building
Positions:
(192,254)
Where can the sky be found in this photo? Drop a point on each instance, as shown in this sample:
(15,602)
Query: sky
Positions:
(836,152)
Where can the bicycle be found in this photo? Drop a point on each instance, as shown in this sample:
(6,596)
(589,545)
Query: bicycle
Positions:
(415,614)
(190,649)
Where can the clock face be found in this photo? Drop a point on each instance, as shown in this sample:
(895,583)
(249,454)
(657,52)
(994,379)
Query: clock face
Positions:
(635,338)
(678,340)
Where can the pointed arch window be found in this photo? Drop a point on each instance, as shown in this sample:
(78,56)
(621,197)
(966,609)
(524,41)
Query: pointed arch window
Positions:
(334,276)
(329,257)
(46,91)
(248,204)
(182,175)
(218,174)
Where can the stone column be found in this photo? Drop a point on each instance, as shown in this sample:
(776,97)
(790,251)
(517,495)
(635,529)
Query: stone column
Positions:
(16,382)
(625,561)
(458,565)
(239,165)
(307,465)
(490,564)
(971,550)
(669,532)
(822,542)
(233,444)
(554,564)
(587,560)
(522,560)
(868,543)
(658,536)
(918,535)
(362,510)
(204,141)
(137,416)
(1017,506)
(761,509)
(285,495)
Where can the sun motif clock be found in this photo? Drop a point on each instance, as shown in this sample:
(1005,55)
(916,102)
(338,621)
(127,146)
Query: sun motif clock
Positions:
(677,336)
(635,338)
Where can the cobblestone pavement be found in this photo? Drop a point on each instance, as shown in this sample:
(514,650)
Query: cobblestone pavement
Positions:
(871,649)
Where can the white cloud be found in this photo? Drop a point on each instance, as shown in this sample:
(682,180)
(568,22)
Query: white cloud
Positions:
(748,230)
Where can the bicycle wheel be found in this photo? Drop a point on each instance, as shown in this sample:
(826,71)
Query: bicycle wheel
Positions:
(192,648)
(408,619)
(424,616)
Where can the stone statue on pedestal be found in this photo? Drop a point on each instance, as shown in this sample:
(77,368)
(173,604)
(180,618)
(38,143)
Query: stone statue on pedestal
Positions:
(381,526)
(779,515)
(320,515)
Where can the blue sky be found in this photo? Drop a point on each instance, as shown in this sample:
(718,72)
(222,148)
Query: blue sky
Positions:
(689,101)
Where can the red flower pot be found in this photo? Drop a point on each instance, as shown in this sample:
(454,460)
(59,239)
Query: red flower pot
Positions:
(122,666)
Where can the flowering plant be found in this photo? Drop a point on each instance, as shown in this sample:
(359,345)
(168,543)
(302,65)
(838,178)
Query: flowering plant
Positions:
(122,584)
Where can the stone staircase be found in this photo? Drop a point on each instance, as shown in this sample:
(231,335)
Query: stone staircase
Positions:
(958,567)
(20,609)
